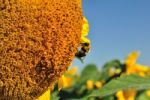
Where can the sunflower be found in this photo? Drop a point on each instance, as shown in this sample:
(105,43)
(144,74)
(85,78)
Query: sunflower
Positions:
(38,41)
(132,68)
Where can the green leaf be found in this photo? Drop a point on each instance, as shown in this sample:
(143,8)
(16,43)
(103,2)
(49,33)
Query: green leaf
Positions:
(110,97)
(54,95)
(90,72)
(111,64)
(122,83)
(142,96)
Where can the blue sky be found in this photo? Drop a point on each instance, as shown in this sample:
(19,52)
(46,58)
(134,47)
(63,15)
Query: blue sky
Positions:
(117,27)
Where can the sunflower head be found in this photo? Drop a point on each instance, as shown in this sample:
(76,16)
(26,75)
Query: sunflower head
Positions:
(38,41)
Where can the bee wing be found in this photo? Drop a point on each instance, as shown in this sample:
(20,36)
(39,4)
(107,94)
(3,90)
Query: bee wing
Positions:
(81,59)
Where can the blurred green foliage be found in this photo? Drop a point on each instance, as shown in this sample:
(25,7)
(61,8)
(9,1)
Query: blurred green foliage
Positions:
(112,76)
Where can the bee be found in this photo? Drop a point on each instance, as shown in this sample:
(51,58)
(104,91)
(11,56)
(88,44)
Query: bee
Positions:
(83,50)
(84,46)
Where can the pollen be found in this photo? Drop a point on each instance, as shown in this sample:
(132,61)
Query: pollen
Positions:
(38,41)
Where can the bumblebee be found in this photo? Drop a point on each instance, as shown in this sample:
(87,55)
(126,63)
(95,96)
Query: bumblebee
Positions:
(83,50)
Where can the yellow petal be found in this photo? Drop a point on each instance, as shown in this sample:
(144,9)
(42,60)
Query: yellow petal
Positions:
(64,82)
(85,30)
(138,69)
(142,68)
(126,95)
(132,58)
(133,68)
(120,95)
(85,40)
(61,82)
(148,93)
(90,84)
(130,94)
(85,21)
(85,27)
(98,84)
(141,74)
(72,71)
(45,96)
